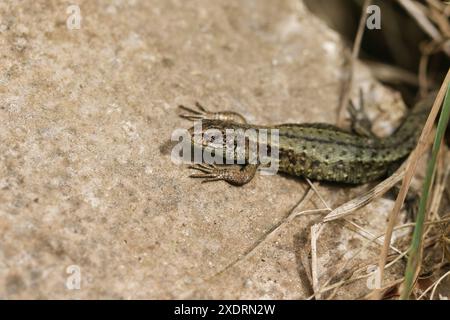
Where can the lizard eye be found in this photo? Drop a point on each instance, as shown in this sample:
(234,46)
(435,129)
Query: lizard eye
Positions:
(212,137)
(209,138)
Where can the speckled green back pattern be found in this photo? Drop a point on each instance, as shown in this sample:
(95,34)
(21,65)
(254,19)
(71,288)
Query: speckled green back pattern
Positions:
(324,152)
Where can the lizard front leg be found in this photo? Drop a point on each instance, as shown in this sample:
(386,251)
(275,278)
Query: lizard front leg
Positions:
(200,113)
(232,175)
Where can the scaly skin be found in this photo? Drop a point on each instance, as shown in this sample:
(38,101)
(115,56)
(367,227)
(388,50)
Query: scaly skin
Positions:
(320,151)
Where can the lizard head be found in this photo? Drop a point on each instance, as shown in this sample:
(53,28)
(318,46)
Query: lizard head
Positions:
(217,137)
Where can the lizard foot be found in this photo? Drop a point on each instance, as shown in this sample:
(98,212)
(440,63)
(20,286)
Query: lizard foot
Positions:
(211,172)
(200,113)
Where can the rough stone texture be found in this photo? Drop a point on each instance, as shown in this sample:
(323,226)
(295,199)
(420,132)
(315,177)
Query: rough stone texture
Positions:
(86,177)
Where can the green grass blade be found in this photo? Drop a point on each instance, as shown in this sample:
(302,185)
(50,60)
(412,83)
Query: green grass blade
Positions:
(416,243)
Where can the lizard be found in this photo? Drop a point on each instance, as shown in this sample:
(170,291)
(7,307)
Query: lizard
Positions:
(318,151)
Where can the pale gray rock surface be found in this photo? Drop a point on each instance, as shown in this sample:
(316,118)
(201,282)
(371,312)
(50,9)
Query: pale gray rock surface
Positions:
(86,177)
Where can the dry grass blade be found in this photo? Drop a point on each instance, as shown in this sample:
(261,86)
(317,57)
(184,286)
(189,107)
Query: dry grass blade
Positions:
(380,189)
(433,286)
(437,15)
(392,74)
(315,233)
(367,234)
(362,200)
(340,268)
(442,174)
(410,169)
(355,53)
(415,11)
(274,228)
(415,255)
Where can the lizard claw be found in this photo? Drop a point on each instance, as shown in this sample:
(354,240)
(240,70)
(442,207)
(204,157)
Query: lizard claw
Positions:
(204,167)
(200,114)
(200,107)
(209,172)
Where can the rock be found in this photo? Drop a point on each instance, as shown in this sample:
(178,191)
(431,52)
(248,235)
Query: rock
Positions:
(88,192)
